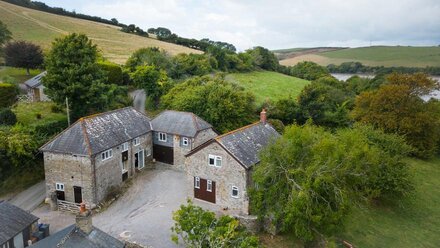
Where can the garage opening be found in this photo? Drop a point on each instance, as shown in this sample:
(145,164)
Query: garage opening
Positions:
(163,154)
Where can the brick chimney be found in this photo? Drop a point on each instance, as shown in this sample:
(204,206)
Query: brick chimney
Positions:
(84,219)
(263,116)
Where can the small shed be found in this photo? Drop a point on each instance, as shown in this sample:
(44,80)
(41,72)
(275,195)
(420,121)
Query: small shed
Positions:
(35,88)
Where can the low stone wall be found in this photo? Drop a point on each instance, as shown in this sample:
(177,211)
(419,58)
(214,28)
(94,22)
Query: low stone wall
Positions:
(251,222)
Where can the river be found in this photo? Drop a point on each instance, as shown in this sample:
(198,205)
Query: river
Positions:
(344,76)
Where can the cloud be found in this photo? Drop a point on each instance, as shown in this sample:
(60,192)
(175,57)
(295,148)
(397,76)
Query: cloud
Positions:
(280,24)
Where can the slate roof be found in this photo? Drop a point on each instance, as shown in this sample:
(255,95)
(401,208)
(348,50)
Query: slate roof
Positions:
(35,81)
(94,134)
(13,221)
(179,123)
(73,237)
(245,143)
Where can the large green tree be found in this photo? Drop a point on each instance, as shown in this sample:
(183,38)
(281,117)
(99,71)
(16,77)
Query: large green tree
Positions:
(397,107)
(309,70)
(23,54)
(226,106)
(5,34)
(73,72)
(308,178)
(150,56)
(151,79)
(263,58)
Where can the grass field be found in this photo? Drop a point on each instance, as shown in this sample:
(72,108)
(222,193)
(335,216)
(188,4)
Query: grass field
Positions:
(18,75)
(42,28)
(375,56)
(416,223)
(268,85)
(27,113)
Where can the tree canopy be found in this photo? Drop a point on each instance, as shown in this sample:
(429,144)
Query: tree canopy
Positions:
(263,58)
(73,72)
(226,106)
(397,107)
(23,54)
(5,34)
(308,178)
(309,70)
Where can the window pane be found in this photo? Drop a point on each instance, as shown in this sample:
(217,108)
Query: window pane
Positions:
(211,161)
(218,161)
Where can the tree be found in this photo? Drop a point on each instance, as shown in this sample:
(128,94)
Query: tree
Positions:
(151,79)
(326,102)
(5,34)
(150,56)
(193,65)
(309,70)
(263,58)
(308,178)
(200,228)
(396,107)
(23,54)
(8,94)
(286,110)
(73,73)
(226,106)
(7,117)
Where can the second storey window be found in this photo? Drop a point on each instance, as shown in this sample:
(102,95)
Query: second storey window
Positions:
(136,141)
(125,147)
(59,186)
(215,160)
(234,192)
(163,137)
(185,141)
(107,154)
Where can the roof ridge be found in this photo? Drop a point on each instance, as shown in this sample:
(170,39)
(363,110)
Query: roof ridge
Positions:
(107,112)
(237,130)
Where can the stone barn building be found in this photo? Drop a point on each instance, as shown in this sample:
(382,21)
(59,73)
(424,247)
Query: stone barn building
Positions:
(219,171)
(176,134)
(95,153)
(35,89)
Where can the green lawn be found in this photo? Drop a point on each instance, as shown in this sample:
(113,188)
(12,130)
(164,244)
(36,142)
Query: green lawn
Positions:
(268,85)
(27,113)
(415,223)
(18,75)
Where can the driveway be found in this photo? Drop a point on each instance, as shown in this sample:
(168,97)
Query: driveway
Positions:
(142,215)
(31,197)
(139,99)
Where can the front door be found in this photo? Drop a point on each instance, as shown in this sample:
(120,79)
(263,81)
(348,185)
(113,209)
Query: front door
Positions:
(205,190)
(77,191)
(163,154)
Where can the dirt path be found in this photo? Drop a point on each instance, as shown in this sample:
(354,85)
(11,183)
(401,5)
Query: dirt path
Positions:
(30,198)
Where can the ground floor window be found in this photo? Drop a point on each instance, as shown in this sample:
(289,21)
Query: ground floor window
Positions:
(197,182)
(234,192)
(209,186)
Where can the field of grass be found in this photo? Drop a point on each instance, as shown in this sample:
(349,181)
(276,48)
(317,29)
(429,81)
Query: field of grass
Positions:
(375,56)
(30,114)
(268,85)
(42,28)
(18,75)
(415,223)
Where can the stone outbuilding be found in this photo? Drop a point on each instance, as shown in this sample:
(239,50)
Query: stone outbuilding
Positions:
(176,134)
(96,153)
(219,171)
(35,89)
(16,226)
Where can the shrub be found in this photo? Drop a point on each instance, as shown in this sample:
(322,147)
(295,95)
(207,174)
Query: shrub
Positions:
(56,108)
(114,72)
(8,94)
(7,117)
(50,128)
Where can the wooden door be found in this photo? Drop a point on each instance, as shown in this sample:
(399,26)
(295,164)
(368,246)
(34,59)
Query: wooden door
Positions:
(163,154)
(77,191)
(206,191)
(60,195)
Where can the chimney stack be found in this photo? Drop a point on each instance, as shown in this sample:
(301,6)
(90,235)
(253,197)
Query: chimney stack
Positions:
(84,219)
(263,116)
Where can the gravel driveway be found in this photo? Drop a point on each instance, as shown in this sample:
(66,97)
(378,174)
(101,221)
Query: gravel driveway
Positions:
(142,215)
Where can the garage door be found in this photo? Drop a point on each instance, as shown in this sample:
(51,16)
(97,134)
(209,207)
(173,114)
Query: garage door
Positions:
(163,154)
(204,189)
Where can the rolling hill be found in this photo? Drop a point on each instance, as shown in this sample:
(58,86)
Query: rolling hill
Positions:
(42,28)
(268,85)
(387,56)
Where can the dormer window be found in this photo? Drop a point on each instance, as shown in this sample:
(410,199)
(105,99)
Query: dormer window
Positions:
(163,137)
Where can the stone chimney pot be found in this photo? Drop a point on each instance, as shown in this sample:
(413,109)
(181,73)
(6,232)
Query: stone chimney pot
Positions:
(84,219)
(263,116)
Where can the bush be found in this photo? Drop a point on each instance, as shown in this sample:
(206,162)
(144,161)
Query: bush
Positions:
(7,117)
(277,124)
(8,94)
(113,71)
(50,128)
(56,108)
(309,71)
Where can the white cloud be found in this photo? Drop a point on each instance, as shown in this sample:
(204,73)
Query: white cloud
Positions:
(280,24)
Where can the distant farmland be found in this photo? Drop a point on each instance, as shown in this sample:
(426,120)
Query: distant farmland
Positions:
(42,28)
(374,56)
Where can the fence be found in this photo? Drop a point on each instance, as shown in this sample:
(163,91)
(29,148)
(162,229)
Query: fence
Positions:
(69,206)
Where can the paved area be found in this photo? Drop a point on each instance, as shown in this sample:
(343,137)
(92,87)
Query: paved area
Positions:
(142,215)
(31,197)
(139,99)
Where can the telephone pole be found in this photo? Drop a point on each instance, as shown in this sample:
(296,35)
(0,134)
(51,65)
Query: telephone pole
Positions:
(67,110)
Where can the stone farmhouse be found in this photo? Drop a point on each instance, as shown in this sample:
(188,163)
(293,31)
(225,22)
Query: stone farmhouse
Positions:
(176,133)
(219,171)
(95,153)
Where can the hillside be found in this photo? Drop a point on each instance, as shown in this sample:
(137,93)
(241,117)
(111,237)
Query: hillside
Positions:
(373,56)
(268,85)
(42,28)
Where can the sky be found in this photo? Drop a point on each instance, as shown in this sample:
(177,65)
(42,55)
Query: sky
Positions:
(277,24)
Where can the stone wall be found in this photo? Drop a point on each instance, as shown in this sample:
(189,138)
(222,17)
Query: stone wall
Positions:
(180,152)
(71,171)
(203,136)
(231,173)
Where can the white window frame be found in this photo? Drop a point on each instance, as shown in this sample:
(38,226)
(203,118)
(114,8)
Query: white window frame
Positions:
(232,192)
(143,159)
(217,159)
(59,186)
(136,141)
(162,139)
(185,141)
(209,185)
(209,160)
(108,154)
(125,147)
(197,183)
